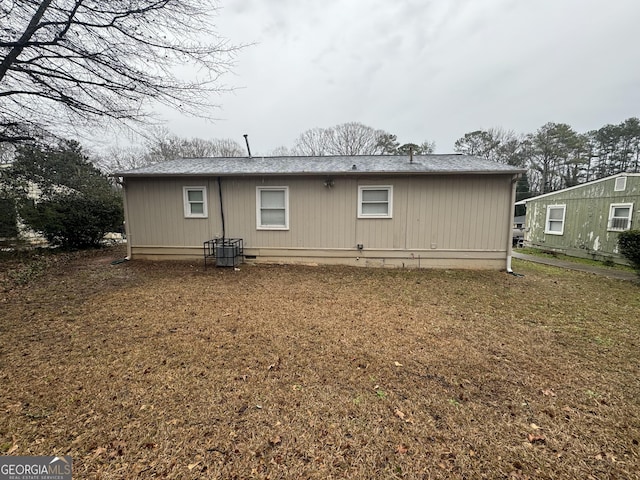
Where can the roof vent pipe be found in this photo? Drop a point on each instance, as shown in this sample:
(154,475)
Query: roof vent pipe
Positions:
(410,154)
(246,140)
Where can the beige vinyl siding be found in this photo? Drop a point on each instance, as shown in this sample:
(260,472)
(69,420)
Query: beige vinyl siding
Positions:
(317,216)
(458,213)
(156,212)
(442,216)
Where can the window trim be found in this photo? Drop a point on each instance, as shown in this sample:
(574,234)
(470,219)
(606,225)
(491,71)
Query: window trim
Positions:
(388,188)
(187,204)
(547,230)
(623,184)
(259,225)
(612,207)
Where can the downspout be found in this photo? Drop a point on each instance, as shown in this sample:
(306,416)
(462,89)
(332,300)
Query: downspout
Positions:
(126,218)
(224,233)
(514,181)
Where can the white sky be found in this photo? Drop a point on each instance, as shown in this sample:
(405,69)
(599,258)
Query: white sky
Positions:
(423,70)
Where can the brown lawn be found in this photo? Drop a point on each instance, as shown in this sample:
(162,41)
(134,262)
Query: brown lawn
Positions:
(163,370)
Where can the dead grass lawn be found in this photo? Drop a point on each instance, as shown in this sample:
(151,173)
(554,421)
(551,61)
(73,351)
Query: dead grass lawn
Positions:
(163,370)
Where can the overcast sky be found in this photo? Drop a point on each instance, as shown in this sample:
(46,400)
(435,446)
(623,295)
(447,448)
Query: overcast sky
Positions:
(424,70)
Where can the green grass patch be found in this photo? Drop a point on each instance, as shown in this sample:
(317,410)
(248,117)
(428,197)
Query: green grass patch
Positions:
(584,261)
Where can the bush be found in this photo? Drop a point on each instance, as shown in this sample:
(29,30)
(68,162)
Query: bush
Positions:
(629,245)
(74,220)
(63,196)
(8,218)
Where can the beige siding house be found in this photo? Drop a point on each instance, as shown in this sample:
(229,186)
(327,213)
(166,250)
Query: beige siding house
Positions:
(448,211)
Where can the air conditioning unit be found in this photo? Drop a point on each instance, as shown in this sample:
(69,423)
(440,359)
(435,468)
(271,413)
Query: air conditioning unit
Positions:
(228,252)
(226,255)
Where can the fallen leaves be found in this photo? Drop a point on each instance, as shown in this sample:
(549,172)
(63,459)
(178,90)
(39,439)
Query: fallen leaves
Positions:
(97,452)
(275,365)
(536,439)
(606,456)
(402,449)
(400,414)
(320,357)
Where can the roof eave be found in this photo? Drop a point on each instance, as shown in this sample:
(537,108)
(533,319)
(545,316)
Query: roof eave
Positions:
(291,174)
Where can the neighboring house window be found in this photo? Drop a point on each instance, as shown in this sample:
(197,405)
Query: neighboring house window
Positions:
(272,208)
(195,202)
(554,224)
(620,216)
(375,201)
(621,184)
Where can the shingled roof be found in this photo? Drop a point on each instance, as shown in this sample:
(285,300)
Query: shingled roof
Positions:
(324,165)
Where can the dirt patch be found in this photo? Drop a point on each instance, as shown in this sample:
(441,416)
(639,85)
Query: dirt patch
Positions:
(144,369)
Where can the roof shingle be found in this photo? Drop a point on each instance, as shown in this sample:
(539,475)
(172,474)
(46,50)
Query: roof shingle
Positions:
(324,165)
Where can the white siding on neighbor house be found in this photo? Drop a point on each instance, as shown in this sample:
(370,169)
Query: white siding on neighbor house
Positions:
(433,213)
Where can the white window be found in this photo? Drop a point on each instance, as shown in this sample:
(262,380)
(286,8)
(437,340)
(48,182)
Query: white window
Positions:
(375,201)
(554,225)
(195,202)
(620,216)
(272,208)
(621,184)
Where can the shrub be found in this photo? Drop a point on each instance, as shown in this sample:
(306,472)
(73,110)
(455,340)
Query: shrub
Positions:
(74,220)
(629,246)
(8,218)
(63,196)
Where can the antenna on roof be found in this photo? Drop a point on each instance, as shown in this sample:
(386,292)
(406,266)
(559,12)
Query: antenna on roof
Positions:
(246,139)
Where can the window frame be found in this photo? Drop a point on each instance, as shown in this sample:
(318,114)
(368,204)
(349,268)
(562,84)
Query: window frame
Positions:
(389,202)
(187,203)
(259,225)
(547,220)
(612,208)
(623,184)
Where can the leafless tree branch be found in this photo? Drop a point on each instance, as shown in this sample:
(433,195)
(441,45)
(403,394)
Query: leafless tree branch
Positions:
(89,60)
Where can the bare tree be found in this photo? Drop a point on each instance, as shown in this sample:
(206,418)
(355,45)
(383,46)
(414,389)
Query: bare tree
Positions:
(77,62)
(161,146)
(281,151)
(354,138)
(312,142)
(351,138)
(121,158)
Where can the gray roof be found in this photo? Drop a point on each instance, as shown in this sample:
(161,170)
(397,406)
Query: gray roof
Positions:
(575,187)
(325,165)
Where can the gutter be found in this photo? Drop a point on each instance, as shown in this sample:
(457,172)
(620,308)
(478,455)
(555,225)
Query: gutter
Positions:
(126,217)
(514,181)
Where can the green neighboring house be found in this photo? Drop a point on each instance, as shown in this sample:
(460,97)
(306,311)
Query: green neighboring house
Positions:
(584,221)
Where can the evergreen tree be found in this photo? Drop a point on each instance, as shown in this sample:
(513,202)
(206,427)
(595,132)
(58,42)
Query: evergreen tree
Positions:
(62,195)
